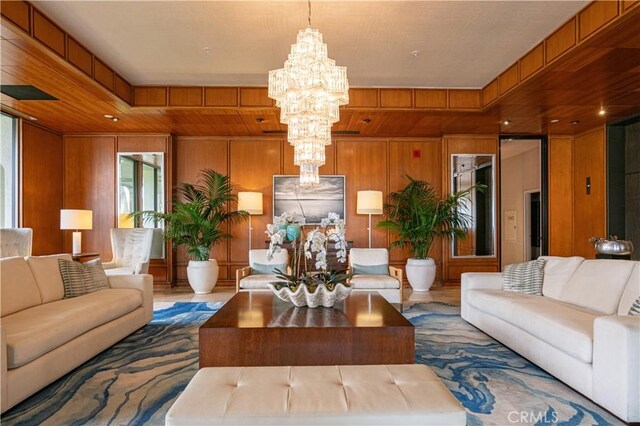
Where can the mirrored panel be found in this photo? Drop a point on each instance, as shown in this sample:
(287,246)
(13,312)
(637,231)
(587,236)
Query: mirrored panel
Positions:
(468,170)
(141,187)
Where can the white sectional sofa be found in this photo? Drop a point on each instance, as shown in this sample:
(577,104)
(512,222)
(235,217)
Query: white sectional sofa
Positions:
(579,330)
(43,336)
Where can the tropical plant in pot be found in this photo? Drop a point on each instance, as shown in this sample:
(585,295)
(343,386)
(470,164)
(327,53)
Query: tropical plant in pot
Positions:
(196,221)
(417,216)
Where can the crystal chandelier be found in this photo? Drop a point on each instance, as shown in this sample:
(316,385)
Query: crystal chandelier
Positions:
(309,90)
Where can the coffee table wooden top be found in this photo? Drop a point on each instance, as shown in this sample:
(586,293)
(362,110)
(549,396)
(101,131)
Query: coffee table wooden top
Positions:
(261,309)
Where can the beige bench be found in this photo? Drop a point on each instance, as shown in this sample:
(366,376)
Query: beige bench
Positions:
(318,395)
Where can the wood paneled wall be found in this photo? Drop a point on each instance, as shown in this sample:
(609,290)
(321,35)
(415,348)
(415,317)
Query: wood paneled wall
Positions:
(368,164)
(560,196)
(589,207)
(89,183)
(41,195)
(575,215)
(90,173)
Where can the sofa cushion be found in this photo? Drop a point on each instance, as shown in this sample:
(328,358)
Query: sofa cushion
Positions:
(631,292)
(563,326)
(258,282)
(374,282)
(33,332)
(598,285)
(524,277)
(18,288)
(47,274)
(557,272)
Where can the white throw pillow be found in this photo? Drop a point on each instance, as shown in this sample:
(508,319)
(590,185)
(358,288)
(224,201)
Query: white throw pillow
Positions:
(524,277)
(557,272)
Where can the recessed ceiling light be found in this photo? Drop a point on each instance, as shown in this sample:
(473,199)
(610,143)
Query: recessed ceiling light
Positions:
(415,53)
(206,50)
(555,120)
(260,120)
(602,111)
(109,116)
(575,122)
(115,119)
(366,120)
(506,122)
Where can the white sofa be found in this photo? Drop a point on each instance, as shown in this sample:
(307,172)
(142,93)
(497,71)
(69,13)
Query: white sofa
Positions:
(43,336)
(579,330)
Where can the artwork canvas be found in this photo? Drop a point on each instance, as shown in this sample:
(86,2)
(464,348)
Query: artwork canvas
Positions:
(314,203)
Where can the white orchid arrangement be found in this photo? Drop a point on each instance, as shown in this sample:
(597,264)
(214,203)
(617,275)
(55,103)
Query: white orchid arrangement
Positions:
(314,245)
(289,218)
(318,239)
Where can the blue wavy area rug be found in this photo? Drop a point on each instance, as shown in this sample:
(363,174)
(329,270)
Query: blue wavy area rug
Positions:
(136,381)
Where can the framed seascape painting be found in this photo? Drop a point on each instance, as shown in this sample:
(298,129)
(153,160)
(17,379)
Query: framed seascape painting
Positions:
(313,203)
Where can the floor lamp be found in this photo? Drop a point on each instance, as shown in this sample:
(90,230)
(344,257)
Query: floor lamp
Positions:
(369,202)
(250,202)
(76,220)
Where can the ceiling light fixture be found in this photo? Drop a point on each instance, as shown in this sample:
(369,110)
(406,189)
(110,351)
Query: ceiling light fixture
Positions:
(602,111)
(506,122)
(366,120)
(109,116)
(415,53)
(575,122)
(309,90)
(260,120)
(555,120)
(115,119)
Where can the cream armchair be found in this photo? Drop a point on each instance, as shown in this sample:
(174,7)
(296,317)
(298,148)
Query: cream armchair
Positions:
(15,242)
(260,271)
(131,251)
(371,271)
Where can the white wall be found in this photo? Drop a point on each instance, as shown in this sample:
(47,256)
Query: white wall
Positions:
(520,172)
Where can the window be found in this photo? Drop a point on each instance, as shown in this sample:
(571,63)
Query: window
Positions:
(9,172)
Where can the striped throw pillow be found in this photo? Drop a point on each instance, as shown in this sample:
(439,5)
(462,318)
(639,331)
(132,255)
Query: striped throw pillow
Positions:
(635,308)
(524,277)
(82,278)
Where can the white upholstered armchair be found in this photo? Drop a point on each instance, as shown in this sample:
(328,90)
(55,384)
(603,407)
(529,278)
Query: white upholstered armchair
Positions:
(260,271)
(15,242)
(131,251)
(371,271)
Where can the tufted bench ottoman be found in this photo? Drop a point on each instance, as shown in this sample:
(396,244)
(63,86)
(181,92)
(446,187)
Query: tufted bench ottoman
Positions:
(318,395)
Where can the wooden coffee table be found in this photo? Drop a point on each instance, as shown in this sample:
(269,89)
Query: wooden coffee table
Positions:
(258,329)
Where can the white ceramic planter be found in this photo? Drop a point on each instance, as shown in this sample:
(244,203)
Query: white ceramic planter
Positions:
(202,275)
(421,273)
(321,297)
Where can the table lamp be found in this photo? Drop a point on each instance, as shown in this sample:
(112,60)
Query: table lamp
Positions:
(76,220)
(250,202)
(369,202)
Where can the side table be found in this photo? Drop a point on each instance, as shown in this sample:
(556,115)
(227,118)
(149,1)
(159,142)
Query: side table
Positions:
(84,257)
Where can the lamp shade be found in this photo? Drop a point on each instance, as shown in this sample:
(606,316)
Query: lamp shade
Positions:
(76,219)
(250,202)
(369,202)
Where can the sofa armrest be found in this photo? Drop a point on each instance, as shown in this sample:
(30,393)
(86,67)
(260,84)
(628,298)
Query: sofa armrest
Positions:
(616,365)
(143,283)
(4,387)
(240,274)
(476,281)
(397,274)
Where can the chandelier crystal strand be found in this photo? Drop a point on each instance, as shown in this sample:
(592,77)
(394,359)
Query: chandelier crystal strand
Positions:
(309,90)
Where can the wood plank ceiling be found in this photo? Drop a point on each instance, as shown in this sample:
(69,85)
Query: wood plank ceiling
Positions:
(593,60)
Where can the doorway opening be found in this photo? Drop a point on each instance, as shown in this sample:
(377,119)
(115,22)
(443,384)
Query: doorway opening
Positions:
(523,195)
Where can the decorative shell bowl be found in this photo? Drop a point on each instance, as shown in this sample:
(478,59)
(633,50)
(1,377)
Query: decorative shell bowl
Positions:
(321,297)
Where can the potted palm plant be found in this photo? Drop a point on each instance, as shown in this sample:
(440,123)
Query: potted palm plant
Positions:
(417,217)
(196,221)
